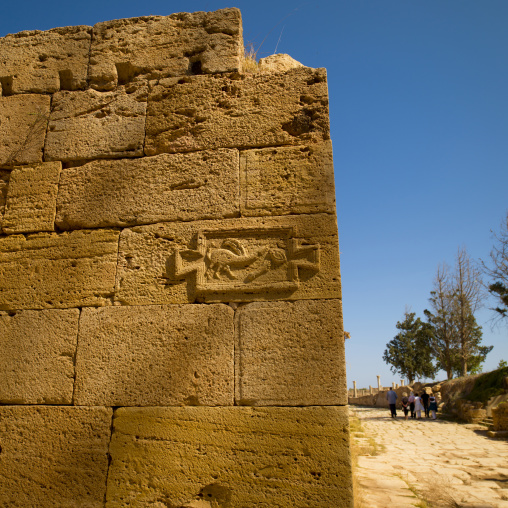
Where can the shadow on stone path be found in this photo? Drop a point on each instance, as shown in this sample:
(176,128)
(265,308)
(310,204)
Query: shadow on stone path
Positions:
(448,464)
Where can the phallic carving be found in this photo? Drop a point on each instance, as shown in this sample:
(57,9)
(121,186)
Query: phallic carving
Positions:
(247,260)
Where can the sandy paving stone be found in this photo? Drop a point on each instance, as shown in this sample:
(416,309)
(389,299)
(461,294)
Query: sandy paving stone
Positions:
(286,180)
(247,259)
(23,122)
(290,354)
(44,62)
(54,456)
(255,110)
(31,199)
(230,457)
(49,270)
(167,187)
(156,356)
(159,46)
(37,360)
(88,124)
(443,461)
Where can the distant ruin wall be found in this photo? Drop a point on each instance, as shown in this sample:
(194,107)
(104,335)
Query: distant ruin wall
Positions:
(170,301)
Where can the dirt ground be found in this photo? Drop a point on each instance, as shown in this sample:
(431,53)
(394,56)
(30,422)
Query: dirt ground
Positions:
(426,463)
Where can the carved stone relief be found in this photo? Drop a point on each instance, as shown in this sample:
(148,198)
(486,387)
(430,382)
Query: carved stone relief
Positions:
(227,260)
(248,261)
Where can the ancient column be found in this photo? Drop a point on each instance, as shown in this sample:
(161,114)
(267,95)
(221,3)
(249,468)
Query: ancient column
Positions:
(355,393)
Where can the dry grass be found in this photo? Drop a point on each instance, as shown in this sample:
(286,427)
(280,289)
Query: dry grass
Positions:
(436,491)
(355,429)
(250,61)
(419,501)
(433,492)
(360,445)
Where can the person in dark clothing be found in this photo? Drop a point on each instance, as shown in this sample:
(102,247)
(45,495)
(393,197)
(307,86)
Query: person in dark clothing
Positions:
(433,406)
(425,401)
(391,397)
(405,405)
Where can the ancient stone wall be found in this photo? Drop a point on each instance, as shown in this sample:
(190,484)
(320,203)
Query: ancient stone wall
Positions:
(170,302)
(500,416)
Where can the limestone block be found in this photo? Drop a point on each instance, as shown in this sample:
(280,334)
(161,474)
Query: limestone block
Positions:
(230,457)
(90,124)
(273,258)
(284,180)
(57,270)
(4,184)
(53,456)
(290,354)
(167,187)
(31,200)
(37,360)
(500,417)
(160,46)
(278,63)
(156,356)
(45,62)
(248,111)
(23,122)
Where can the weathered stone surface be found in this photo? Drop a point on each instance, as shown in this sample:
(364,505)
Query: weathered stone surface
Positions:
(37,360)
(285,180)
(255,110)
(53,456)
(271,258)
(49,270)
(23,122)
(31,200)
(290,354)
(278,63)
(42,62)
(157,46)
(90,124)
(167,187)
(458,465)
(230,457)
(500,416)
(4,185)
(156,356)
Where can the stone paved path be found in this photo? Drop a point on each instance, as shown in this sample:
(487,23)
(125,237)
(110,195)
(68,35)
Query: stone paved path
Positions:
(449,464)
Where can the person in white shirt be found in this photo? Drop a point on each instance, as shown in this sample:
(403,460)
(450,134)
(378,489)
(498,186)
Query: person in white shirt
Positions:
(418,407)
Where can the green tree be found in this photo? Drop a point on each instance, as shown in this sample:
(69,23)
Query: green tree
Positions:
(409,353)
(476,355)
(497,271)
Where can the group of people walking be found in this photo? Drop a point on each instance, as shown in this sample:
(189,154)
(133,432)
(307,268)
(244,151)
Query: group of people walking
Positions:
(413,404)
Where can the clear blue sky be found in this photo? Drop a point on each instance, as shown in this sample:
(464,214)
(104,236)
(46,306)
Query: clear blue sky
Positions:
(419,118)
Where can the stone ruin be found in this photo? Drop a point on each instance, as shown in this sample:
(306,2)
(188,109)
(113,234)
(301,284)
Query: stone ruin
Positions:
(170,302)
